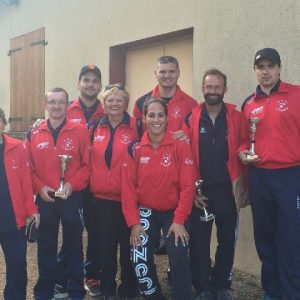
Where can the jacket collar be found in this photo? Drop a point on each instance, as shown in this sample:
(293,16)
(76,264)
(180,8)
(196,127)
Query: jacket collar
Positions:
(178,94)
(167,139)
(125,120)
(279,87)
(229,107)
(9,142)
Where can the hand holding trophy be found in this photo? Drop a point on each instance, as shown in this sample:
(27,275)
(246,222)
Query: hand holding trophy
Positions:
(207,216)
(252,156)
(60,192)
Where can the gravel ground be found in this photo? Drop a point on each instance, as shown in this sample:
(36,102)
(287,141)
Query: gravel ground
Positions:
(245,286)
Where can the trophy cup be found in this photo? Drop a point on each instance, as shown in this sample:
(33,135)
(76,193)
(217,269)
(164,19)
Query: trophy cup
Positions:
(60,192)
(252,122)
(207,216)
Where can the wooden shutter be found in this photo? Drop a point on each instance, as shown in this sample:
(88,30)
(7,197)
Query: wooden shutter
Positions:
(27,79)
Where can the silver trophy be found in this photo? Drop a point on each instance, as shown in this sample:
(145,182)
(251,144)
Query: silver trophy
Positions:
(253,122)
(207,216)
(60,192)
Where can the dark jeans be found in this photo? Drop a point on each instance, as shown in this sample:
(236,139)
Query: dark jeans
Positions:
(221,203)
(112,232)
(143,261)
(70,213)
(14,245)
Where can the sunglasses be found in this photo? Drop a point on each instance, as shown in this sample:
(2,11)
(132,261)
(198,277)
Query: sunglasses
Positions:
(119,86)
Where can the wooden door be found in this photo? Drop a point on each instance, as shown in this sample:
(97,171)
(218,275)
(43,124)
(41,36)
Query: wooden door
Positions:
(27,79)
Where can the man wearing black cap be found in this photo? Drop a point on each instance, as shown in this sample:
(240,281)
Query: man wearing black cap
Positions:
(85,108)
(274,175)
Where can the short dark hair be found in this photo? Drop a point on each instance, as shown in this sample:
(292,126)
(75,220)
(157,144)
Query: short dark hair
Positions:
(168,60)
(152,100)
(2,116)
(215,72)
(57,90)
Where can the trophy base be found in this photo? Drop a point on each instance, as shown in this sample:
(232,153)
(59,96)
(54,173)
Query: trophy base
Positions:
(60,194)
(251,158)
(207,218)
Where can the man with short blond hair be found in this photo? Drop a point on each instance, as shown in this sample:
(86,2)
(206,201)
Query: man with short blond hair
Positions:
(167,73)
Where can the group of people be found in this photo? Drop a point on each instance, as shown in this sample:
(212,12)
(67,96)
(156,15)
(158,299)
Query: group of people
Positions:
(130,179)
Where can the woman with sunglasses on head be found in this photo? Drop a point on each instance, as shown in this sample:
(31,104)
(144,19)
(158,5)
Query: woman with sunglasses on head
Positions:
(111,137)
(157,193)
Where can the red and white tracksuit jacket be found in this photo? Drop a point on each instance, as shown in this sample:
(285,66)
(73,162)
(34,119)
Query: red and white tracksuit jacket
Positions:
(76,114)
(19,180)
(235,168)
(73,140)
(277,137)
(178,107)
(105,181)
(161,179)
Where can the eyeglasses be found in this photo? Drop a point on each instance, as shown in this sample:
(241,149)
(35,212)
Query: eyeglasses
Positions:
(119,86)
(53,102)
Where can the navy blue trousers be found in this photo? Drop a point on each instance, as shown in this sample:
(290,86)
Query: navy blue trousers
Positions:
(143,260)
(222,204)
(70,213)
(90,219)
(92,271)
(14,245)
(275,203)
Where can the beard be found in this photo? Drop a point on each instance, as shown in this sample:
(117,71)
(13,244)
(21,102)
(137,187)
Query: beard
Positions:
(90,96)
(213,99)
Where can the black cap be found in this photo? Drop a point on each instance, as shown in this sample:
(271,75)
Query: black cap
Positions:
(268,53)
(90,68)
(31,232)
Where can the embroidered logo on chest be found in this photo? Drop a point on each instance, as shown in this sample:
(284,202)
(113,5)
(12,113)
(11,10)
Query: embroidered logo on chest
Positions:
(282,105)
(68,144)
(126,138)
(176,112)
(99,138)
(202,130)
(166,160)
(43,145)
